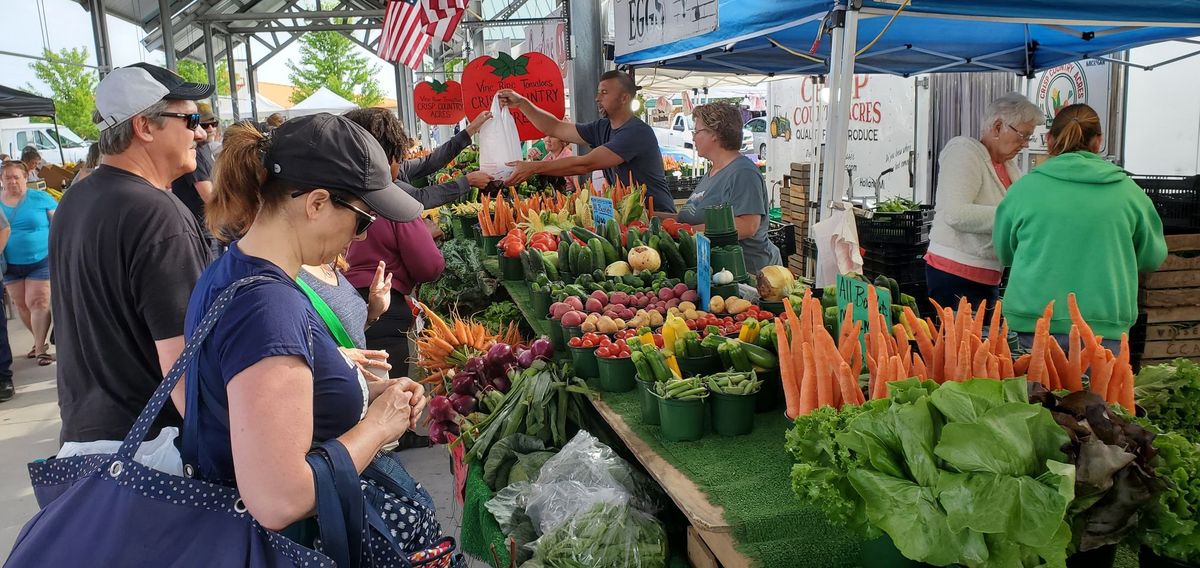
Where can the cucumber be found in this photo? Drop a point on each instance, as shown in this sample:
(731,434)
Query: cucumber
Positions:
(687,248)
(596,248)
(655,225)
(612,231)
(584,234)
(675,263)
(610,252)
(634,239)
(564,256)
(576,262)
(550,269)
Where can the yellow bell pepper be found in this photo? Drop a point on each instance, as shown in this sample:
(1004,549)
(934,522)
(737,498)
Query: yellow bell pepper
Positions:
(673,365)
(749,331)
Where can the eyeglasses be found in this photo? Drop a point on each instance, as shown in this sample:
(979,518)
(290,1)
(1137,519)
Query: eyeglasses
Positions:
(208,125)
(1026,137)
(192,119)
(364,219)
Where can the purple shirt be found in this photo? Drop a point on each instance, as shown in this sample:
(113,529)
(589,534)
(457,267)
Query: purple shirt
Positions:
(408,250)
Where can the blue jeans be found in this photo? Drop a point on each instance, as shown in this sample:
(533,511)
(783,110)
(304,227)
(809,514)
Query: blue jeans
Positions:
(946,289)
(6,358)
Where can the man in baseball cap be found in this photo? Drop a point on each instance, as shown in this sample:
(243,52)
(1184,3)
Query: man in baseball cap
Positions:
(125,254)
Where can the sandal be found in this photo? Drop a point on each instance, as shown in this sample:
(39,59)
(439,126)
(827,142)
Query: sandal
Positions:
(44,359)
(32,353)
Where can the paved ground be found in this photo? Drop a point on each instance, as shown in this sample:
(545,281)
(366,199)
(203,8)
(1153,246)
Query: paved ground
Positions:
(29,429)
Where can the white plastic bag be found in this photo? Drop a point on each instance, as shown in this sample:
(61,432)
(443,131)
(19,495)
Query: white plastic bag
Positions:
(159,453)
(499,143)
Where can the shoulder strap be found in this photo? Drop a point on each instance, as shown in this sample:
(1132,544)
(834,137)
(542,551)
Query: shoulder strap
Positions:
(137,434)
(331,320)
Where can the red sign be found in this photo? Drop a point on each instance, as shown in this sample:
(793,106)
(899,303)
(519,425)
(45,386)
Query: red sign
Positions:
(533,75)
(439,103)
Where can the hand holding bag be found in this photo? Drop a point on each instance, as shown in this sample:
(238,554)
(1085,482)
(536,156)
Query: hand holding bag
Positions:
(499,143)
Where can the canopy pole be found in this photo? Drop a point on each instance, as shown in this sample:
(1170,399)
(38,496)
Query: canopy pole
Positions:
(587,58)
(211,66)
(250,83)
(167,27)
(62,159)
(841,84)
(233,101)
(100,35)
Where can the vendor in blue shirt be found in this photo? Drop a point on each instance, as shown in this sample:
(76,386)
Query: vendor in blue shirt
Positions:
(622,145)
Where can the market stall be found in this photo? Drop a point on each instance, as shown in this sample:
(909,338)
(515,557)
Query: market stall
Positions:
(745,439)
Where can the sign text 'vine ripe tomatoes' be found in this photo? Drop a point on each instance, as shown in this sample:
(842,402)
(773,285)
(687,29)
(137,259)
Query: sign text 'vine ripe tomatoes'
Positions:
(438,103)
(533,75)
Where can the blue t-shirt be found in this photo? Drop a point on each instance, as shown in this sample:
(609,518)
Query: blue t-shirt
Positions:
(263,320)
(636,144)
(30,239)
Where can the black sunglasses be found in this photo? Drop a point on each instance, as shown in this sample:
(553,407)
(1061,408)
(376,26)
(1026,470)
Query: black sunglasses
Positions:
(364,219)
(193,118)
(209,125)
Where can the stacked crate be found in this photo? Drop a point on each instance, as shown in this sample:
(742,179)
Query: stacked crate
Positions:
(794,202)
(894,245)
(1169,302)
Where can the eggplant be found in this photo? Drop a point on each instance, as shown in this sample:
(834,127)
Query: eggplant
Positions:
(463,404)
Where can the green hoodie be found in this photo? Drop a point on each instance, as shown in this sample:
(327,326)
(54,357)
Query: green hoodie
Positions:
(1078,224)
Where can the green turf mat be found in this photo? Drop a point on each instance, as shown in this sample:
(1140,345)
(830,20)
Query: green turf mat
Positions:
(750,476)
(479,528)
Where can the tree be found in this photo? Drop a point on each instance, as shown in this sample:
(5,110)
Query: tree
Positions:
(72,87)
(328,59)
(195,72)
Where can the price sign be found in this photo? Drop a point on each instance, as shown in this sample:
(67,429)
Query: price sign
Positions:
(602,210)
(852,295)
(704,269)
(643,24)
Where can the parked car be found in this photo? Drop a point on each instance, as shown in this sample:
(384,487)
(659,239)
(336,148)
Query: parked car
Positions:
(758,130)
(16,134)
(679,135)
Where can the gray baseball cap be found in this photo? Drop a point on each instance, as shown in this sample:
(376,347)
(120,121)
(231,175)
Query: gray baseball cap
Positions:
(127,91)
(328,151)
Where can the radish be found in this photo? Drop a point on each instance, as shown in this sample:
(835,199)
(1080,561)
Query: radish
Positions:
(440,409)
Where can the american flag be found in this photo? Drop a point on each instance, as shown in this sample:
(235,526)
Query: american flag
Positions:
(404,35)
(443,17)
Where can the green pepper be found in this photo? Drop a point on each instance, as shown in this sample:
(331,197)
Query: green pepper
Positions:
(680,347)
(714,340)
(766,337)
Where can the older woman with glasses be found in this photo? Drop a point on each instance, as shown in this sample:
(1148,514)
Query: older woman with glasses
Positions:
(974,175)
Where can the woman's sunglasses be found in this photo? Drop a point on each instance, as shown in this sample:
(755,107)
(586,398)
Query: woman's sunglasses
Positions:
(192,119)
(364,219)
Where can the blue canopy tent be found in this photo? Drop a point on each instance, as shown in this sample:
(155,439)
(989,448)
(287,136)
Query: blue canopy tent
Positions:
(907,37)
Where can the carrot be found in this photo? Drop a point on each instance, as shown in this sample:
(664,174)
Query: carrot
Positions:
(808,390)
(1127,394)
(993,366)
(1053,382)
(844,328)
(851,394)
(994,326)
(1073,380)
(1085,330)
(963,372)
(980,315)
(962,316)
(1005,355)
(1099,357)
(918,367)
(1021,365)
(797,350)
(825,366)
(1114,391)
(1037,363)
(951,341)
(847,348)
(979,360)
(898,373)
(875,371)
(787,371)
(856,360)
(937,369)
(1062,366)
(1102,378)
(924,342)
(904,350)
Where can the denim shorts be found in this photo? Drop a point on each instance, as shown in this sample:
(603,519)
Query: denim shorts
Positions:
(39,270)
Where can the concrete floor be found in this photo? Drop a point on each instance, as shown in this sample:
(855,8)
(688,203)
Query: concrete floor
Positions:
(29,427)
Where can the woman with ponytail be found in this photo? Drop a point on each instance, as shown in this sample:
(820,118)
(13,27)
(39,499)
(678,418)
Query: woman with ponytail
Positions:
(1077,224)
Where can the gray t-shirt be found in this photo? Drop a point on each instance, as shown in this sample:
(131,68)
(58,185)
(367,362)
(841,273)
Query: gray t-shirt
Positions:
(345,302)
(635,143)
(741,186)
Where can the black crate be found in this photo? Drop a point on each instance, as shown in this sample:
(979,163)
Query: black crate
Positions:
(681,187)
(889,252)
(910,272)
(784,237)
(1177,199)
(808,248)
(907,228)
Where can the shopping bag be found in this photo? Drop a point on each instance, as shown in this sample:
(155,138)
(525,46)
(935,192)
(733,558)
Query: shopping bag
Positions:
(110,510)
(499,143)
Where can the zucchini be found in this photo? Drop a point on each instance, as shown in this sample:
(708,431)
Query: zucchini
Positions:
(687,248)
(759,357)
(596,248)
(675,263)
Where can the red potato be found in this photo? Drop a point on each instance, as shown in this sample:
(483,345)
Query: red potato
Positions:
(593,305)
(572,319)
(574,302)
(666,294)
(557,309)
(672,303)
(690,296)
(680,289)
(600,295)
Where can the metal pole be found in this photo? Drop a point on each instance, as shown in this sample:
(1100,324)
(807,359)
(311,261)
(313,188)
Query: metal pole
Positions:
(168,32)
(100,34)
(587,50)
(444,132)
(233,101)
(476,33)
(211,66)
(251,81)
(841,82)
(62,159)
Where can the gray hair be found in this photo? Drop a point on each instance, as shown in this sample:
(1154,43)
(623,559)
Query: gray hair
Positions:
(116,139)
(1012,109)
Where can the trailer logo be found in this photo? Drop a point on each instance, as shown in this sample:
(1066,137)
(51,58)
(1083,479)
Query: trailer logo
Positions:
(1061,86)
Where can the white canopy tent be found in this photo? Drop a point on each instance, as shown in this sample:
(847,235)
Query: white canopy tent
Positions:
(323,100)
(265,106)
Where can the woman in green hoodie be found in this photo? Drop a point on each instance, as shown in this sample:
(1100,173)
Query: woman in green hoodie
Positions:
(1077,224)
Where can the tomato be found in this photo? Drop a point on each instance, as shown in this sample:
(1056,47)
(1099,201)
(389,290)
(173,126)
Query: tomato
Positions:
(588,343)
(533,75)
(439,103)
(574,342)
(740,317)
(513,249)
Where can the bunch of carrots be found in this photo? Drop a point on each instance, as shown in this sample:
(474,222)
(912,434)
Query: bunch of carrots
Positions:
(815,371)
(1111,376)
(960,352)
(442,346)
(496,217)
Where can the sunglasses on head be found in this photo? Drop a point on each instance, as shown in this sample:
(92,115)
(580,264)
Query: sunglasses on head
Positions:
(192,119)
(364,219)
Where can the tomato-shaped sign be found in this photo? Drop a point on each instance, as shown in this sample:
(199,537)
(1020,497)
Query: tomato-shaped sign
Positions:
(439,103)
(533,75)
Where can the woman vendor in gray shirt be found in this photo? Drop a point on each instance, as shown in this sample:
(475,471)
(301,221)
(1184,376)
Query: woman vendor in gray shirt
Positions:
(733,179)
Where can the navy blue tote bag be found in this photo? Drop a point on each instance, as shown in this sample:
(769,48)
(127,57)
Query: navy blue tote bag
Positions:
(109,510)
